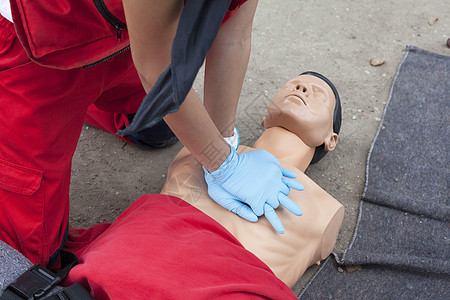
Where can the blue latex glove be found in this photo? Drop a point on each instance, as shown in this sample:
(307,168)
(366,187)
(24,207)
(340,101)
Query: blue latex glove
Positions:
(229,202)
(254,178)
(271,215)
(290,205)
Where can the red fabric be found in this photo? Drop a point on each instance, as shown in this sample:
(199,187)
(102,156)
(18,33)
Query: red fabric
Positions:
(234,6)
(108,121)
(67,34)
(163,248)
(41,116)
(62,47)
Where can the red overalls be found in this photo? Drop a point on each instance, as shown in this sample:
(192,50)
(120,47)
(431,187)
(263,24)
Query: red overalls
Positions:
(41,116)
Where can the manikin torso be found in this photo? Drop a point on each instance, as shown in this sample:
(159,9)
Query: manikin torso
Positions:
(308,238)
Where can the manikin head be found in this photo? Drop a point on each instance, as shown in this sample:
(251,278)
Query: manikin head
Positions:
(309,106)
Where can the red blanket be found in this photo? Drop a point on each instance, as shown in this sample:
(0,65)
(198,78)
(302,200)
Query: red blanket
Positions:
(163,248)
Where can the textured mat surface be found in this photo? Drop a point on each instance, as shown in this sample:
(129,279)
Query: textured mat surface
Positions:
(401,246)
(12,264)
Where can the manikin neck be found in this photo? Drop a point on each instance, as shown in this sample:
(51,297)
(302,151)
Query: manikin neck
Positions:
(286,146)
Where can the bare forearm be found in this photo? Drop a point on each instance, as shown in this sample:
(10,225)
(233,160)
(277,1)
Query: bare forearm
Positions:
(152,25)
(195,129)
(224,75)
(226,65)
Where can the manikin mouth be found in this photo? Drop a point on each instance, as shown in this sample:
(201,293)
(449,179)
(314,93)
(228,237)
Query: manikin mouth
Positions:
(297,96)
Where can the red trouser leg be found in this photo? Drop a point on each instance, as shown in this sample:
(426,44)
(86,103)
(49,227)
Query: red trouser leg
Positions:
(41,116)
(108,121)
(110,112)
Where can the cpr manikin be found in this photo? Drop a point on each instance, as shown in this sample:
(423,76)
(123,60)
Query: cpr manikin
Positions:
(299,120)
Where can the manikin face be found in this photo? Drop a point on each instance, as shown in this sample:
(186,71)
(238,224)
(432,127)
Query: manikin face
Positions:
(305,107)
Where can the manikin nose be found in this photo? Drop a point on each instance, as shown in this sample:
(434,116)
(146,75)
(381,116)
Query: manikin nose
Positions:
(302,89)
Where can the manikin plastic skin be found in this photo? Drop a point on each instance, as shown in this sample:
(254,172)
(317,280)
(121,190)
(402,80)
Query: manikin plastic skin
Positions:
(299,118)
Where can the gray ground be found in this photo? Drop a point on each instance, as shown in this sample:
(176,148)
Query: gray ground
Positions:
(335,38)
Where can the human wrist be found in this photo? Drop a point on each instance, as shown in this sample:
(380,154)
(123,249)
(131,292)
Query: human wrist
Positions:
(214,154)
(223,171)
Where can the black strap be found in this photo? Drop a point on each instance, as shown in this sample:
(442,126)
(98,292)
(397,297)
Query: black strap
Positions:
(37,281)
(74,292)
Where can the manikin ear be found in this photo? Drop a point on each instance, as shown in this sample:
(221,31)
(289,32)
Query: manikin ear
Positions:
(331,141)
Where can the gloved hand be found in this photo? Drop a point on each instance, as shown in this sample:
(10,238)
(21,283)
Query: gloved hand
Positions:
(229,202)
(272,217)
(254,178)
